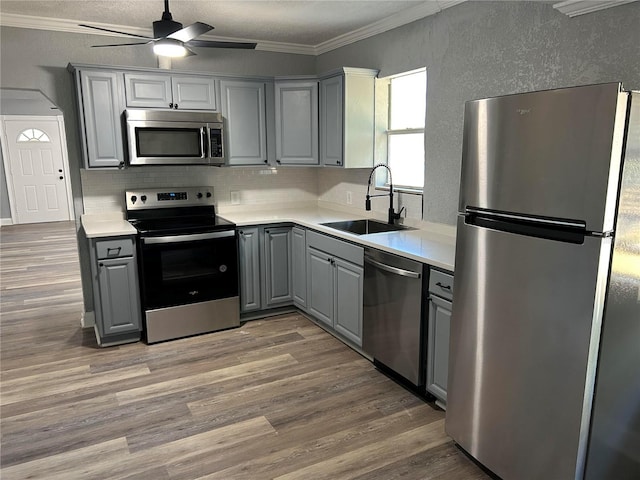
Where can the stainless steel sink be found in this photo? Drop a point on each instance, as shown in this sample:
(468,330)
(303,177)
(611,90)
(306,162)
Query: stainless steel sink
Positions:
(364,227)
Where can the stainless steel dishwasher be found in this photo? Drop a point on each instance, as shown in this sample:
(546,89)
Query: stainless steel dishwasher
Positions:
(392,316)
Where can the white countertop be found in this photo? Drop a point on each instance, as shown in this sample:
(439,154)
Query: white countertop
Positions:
(106,225)
(426,245)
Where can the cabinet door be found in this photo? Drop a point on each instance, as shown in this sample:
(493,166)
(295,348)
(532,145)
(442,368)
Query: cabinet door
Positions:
(277,266)
(194,93)
(297,123)
(438,347)
(331,121)
(320,289)
(249,259)
(299,266)
(148,90)
(243,107)
(348,294)
(119,302)
(101,107)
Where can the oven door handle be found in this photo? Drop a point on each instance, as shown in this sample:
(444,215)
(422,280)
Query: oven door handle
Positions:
(187,238)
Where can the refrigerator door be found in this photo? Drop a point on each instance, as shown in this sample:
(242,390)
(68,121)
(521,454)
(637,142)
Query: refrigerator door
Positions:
(524,337)
(614,448)
(551,154)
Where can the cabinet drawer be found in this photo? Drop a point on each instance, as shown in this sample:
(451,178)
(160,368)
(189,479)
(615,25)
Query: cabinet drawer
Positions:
(121,247)
(441,284)
(332,246)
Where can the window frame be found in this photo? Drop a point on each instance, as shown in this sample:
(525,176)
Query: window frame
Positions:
(382,182)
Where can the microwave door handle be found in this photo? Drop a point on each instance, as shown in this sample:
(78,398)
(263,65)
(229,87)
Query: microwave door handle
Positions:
(203,142)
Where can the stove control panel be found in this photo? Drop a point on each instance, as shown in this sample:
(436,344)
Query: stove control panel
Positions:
(169,197)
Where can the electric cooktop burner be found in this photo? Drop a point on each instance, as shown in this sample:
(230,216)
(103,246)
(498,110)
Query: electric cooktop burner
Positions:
(174,210)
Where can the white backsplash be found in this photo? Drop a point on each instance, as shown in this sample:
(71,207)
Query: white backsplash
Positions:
(103,191)
(337,185)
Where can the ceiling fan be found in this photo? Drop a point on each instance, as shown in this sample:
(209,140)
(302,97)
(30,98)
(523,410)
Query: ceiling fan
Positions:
(172,40)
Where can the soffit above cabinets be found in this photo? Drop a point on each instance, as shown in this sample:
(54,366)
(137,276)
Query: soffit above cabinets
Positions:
(573,8)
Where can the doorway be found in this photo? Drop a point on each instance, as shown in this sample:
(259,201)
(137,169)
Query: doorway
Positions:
(36,165)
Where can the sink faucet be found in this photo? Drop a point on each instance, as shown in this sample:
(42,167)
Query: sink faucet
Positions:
(367,204)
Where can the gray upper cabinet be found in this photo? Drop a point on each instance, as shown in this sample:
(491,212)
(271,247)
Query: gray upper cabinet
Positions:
(100,106)
(299,266)
(439,325)
(243,107)
(249,259)
(296,116)
(185,92)
(277,266)
(347,118)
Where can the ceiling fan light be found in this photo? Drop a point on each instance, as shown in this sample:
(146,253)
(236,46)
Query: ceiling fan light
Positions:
(169,47)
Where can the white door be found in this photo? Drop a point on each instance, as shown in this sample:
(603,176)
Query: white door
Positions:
(36,170)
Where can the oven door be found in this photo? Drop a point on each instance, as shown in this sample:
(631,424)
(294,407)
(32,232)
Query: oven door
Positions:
(191,268)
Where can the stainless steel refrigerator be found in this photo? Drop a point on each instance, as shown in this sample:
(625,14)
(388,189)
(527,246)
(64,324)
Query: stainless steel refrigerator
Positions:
(544,366)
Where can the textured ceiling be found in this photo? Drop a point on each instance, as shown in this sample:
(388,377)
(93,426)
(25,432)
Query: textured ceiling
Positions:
(303,22)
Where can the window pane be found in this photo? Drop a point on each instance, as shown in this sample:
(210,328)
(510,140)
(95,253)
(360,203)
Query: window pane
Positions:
(406,159)
(408,100)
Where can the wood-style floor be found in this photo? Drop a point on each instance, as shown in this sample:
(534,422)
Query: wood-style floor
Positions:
(277,398)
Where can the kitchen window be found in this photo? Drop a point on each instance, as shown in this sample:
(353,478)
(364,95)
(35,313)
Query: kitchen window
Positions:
(407,98)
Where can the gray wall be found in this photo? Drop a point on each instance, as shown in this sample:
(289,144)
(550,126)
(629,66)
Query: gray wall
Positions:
(483,49)
(5,210)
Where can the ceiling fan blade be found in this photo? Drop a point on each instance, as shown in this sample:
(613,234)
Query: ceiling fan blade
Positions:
(121,44)
(113,31)
(211,44)
(192,31)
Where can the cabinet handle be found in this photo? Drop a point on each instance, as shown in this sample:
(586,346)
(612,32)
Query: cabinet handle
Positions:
(121,165)
(444,287)
(278,162)
(101,264)
(171,105)
(266,161)
(175,106)
(110,251)
(61,177)
(338,162)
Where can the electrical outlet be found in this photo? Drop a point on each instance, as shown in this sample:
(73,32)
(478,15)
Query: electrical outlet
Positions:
(349,199)
(235,197)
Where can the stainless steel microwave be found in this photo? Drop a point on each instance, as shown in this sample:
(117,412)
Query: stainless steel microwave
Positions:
(161,137)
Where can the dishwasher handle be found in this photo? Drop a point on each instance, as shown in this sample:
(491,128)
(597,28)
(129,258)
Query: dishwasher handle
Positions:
(388,268)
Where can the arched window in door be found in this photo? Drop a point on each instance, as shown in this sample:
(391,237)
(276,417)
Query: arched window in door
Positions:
(33,135)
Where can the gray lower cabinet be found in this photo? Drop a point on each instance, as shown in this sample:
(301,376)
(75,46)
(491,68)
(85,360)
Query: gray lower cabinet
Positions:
(299,266)
(100,105)
(244,111)
(276,264)
(296,113)
(265,267)
(116,292)
(335,279)
(439,325)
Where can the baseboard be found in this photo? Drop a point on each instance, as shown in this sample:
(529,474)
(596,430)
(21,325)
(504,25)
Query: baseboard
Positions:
(88,319)
(5,222)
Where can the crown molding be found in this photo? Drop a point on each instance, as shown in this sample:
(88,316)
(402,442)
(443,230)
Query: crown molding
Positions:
(401,18)
(574,8)
(389,23)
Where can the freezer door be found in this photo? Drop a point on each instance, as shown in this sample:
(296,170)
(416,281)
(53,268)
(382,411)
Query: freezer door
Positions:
(553,154)
(525,329)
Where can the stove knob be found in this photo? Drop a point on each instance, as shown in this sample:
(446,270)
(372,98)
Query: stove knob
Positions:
(133,199)
(208,194)
(199,195)
(143,198)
